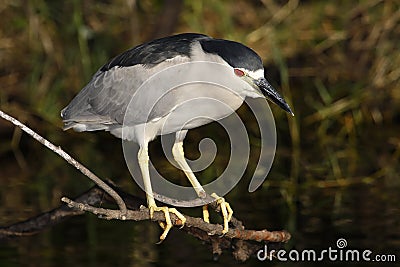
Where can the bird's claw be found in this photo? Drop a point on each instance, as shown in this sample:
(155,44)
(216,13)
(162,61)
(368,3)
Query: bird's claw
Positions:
(168,223)
(226,211)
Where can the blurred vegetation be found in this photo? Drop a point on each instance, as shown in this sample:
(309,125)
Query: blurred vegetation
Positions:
(337,63)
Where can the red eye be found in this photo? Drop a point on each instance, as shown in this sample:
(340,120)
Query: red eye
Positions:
(238,72)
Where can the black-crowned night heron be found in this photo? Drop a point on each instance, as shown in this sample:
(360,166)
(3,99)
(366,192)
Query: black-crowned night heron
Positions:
(103,102)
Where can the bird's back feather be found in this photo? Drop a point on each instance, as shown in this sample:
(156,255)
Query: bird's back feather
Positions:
(102,103)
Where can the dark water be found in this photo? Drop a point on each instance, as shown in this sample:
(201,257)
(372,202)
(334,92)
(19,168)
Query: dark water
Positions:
(364,211)
(88,241)
(367,216)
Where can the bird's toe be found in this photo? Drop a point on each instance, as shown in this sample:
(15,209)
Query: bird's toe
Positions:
(167,225)
(226,211)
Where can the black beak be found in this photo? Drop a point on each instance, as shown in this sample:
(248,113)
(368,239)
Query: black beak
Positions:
(270,93)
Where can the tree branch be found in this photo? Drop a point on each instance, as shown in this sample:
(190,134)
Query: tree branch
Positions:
(243,243)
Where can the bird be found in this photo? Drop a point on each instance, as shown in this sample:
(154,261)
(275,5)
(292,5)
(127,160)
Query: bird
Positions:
(103,102)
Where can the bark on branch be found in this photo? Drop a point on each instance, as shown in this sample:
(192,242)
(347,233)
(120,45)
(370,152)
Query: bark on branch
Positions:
(242,243)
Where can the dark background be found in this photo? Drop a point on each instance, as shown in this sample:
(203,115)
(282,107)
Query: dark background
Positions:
(336,170)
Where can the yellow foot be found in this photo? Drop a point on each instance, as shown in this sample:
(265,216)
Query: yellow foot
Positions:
(168,223)
(206,214)
(226,211)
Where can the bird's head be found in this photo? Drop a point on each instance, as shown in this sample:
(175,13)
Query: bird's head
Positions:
(247,65)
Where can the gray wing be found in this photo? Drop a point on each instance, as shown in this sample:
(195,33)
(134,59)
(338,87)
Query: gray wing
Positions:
(102,103)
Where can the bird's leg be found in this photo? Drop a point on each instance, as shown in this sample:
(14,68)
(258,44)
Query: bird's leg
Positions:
(179,156)
(143,158)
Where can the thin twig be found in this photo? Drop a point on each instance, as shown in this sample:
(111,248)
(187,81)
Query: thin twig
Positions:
(199,223)
(58,150)
(240,242)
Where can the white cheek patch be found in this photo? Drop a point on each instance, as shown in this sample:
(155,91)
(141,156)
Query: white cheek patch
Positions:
(256,74)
